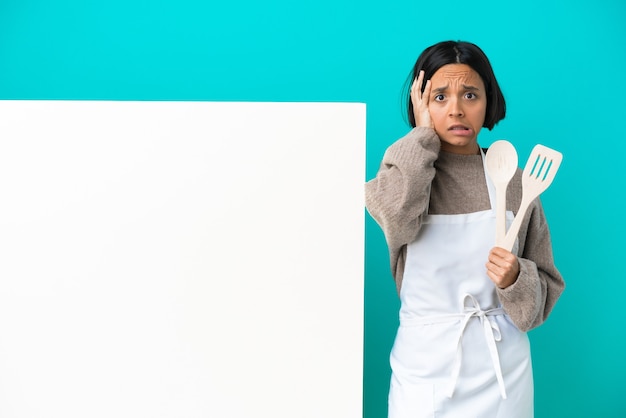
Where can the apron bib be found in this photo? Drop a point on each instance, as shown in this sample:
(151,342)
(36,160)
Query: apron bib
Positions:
(457,353)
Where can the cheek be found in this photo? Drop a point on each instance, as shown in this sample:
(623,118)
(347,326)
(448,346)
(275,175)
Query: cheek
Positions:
(437,115)
(477,114)
(482,116)
(436,112)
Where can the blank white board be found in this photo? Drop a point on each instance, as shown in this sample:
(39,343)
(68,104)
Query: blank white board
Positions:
(181,259)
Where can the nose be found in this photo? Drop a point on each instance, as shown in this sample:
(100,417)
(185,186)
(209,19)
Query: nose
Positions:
(456,108)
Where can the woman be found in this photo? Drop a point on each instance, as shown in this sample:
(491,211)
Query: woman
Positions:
(461,348)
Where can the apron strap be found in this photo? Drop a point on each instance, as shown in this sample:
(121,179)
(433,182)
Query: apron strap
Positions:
(492,334)
(491,188)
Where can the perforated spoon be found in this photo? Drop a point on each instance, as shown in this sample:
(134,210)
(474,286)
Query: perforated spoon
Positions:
(538,174)
(501,163)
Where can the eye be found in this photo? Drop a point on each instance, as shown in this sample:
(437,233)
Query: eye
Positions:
(439,97)
(470,95)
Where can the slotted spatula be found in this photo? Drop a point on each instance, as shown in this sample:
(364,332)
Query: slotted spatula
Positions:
(538,174)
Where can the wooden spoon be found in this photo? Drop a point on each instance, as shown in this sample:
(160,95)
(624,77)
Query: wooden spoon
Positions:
(501,163)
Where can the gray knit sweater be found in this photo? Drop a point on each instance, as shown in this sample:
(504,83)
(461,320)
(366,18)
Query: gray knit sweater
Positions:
(413,170)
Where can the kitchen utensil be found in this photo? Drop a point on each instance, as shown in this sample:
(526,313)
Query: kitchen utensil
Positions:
(501,163)
(538,174)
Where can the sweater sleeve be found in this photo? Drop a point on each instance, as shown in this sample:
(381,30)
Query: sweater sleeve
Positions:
(398,196)
(531,298)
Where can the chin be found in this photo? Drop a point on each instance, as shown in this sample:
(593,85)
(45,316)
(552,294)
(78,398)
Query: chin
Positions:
(468,146)
(459,143)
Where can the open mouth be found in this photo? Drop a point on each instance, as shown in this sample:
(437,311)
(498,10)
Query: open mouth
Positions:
(460,129)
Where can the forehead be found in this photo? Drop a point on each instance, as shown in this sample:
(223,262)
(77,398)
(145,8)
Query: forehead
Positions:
(456,74)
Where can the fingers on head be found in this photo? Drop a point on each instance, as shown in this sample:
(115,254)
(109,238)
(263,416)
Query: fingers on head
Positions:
(419,81)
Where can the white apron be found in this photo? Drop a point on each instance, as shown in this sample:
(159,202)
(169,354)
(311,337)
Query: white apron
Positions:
(457,353)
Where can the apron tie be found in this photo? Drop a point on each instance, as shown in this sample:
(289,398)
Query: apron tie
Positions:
(492,334)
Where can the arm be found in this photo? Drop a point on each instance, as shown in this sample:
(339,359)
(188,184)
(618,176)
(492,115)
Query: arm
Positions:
(399,194)
(530,299)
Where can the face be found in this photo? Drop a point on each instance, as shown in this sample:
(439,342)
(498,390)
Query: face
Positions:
(457,107)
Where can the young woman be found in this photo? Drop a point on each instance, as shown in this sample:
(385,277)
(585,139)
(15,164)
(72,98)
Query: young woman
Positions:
(461,349)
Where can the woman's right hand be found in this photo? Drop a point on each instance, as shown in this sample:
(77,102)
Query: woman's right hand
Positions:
(420,102)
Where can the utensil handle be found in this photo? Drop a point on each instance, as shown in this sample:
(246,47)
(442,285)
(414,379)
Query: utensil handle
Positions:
(500,216)
(509,239)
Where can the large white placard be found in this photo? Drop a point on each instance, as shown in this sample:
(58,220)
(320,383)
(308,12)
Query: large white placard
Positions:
(181,259)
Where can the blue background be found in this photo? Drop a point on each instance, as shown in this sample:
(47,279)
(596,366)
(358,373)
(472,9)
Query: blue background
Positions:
(561,66)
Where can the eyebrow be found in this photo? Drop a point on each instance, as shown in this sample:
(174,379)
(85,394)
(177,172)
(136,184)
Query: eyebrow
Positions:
(465,87)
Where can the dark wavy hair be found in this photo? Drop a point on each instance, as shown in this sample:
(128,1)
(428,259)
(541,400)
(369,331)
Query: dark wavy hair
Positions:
(458,52)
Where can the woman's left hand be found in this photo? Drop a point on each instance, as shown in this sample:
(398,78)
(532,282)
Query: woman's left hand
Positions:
(502,267)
